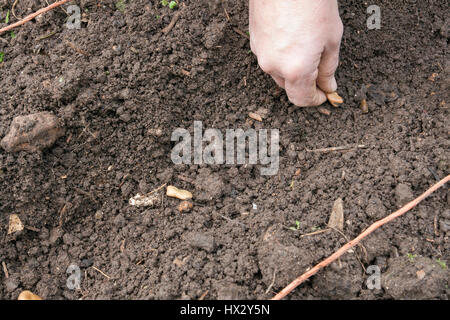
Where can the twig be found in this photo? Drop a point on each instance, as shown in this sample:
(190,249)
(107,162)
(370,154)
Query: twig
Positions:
(283,293)
(5,269)
(32,229)
(46,36)
(33,15)
(202,297)
(233,221)
(62,212)
(101,272)
(12,9)
(436,232)
(314,233)
(155,190)
(86,194)
(240,32)
(341,148)
(273,280)
(174,20)
(359,244)
(74,47)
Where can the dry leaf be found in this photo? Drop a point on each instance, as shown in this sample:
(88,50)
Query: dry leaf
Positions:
(15,225)
(337,215)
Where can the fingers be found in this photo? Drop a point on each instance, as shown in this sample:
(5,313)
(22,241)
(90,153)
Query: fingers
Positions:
(279,80)
(327,68)
(304,92)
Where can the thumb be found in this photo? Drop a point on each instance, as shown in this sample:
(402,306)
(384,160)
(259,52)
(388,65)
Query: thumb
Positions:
(327,67)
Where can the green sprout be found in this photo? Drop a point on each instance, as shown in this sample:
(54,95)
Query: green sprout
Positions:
(297,226)
(164,3)
(120,5)
(442,263)
(172,4)
(13,35)
(7,17)
(411,256)
(2,55)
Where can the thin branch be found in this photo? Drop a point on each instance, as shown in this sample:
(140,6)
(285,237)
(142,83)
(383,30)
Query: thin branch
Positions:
(283,293)
(33,15)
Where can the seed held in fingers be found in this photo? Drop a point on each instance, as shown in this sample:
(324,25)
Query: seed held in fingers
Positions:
(28,295)
(335,99)
(174,192)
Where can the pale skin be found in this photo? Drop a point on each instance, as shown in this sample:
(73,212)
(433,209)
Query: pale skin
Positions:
(297,42)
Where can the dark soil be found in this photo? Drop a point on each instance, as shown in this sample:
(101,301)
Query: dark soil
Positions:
(122,86)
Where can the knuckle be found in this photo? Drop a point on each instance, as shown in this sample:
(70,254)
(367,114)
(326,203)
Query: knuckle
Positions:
(297,70)
(265,63)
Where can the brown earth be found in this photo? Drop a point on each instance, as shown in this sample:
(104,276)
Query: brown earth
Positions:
(120,87)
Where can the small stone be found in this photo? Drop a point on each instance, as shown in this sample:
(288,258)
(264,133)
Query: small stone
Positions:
(55,234)
(375,208)
(403,194)
(444,225)
(201,241)
(11,284)
(86,263)
(185,206)
(32,132)
(230,291)
(15,225)
(420,274)
(98,215)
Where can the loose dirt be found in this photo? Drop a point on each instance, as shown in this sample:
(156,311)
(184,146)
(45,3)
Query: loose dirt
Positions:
(120,86)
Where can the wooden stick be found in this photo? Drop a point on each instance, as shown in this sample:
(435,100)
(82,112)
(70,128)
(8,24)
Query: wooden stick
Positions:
(174,20)
(283,293)
(341,148)
(33,15)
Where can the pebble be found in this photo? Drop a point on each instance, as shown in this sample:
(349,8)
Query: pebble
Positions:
(202,241)
(11,284)
(32,132)
(403,194)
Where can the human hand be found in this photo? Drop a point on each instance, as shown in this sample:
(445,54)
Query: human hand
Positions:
(297,42)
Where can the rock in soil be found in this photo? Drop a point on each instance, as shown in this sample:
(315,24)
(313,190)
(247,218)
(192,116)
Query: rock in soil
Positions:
(401,280)
(280,264)
(403,194)
(230,291)
(201,241)
(32,132)
(209,185)
(339,280)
